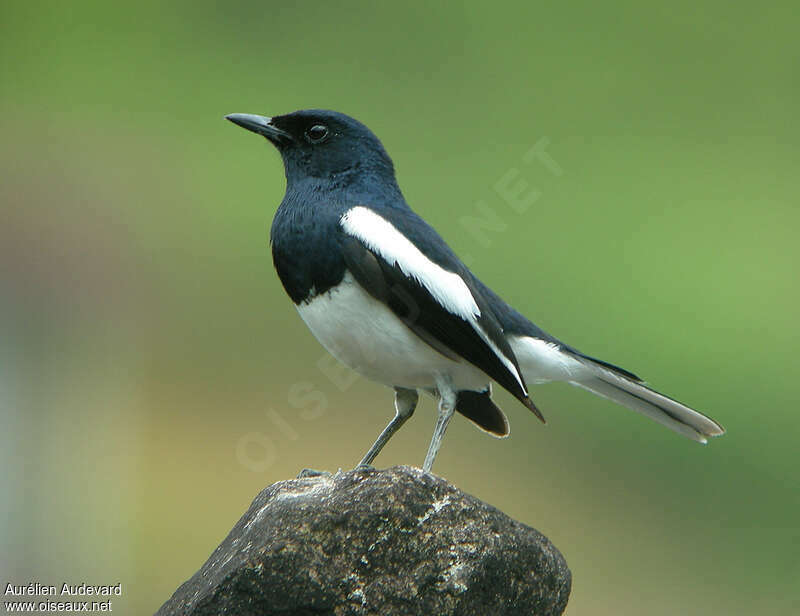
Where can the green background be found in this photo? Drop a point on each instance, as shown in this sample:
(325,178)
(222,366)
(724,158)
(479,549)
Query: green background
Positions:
(152,371)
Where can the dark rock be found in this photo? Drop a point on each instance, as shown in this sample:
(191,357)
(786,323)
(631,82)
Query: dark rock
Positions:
(376,542)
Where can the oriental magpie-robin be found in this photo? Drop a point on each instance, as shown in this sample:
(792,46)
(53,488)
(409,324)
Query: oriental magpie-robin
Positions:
(384,294)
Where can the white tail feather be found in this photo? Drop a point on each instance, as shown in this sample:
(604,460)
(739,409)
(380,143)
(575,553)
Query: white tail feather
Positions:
(656,406)
(543,361)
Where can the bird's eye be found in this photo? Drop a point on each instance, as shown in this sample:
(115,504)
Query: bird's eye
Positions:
(317,133)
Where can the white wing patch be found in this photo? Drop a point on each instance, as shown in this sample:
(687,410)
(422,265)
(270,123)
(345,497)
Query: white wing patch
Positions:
(447,288)
(381,236)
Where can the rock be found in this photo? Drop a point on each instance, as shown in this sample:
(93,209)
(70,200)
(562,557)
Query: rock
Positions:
(376,542)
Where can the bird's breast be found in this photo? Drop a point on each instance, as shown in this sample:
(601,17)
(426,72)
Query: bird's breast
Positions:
(305,252)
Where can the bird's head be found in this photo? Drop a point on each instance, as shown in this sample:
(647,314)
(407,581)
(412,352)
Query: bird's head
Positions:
(321,144)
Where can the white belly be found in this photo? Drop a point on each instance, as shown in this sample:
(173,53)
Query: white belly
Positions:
(364,334)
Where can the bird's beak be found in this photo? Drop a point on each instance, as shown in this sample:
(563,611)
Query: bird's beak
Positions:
(261,125)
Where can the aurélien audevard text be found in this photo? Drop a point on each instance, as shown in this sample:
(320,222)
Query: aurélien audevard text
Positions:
(71,592)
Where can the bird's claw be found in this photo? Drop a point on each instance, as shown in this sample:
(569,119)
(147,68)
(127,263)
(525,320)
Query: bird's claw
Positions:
(312,472)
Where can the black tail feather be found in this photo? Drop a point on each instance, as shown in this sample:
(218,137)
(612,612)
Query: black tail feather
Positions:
(477,406)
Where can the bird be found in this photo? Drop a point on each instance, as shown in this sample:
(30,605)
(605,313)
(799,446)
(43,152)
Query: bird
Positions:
(383,292)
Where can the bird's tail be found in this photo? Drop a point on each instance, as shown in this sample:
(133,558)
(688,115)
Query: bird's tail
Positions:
(619,386)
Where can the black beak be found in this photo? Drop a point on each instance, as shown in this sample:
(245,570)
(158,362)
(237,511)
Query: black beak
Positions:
(259,124)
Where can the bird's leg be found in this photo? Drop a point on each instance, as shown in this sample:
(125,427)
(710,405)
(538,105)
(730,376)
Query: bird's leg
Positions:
(447,406)
(405,401)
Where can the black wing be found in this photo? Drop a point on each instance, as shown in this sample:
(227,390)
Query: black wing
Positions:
(452,335)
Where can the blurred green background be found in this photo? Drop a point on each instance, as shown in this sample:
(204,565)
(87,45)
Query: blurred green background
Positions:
(151,368)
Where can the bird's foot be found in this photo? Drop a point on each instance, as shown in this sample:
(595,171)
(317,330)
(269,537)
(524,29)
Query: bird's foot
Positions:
(312,472)
(364,467)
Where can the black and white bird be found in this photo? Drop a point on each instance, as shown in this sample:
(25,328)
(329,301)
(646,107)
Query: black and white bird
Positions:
(385,295)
